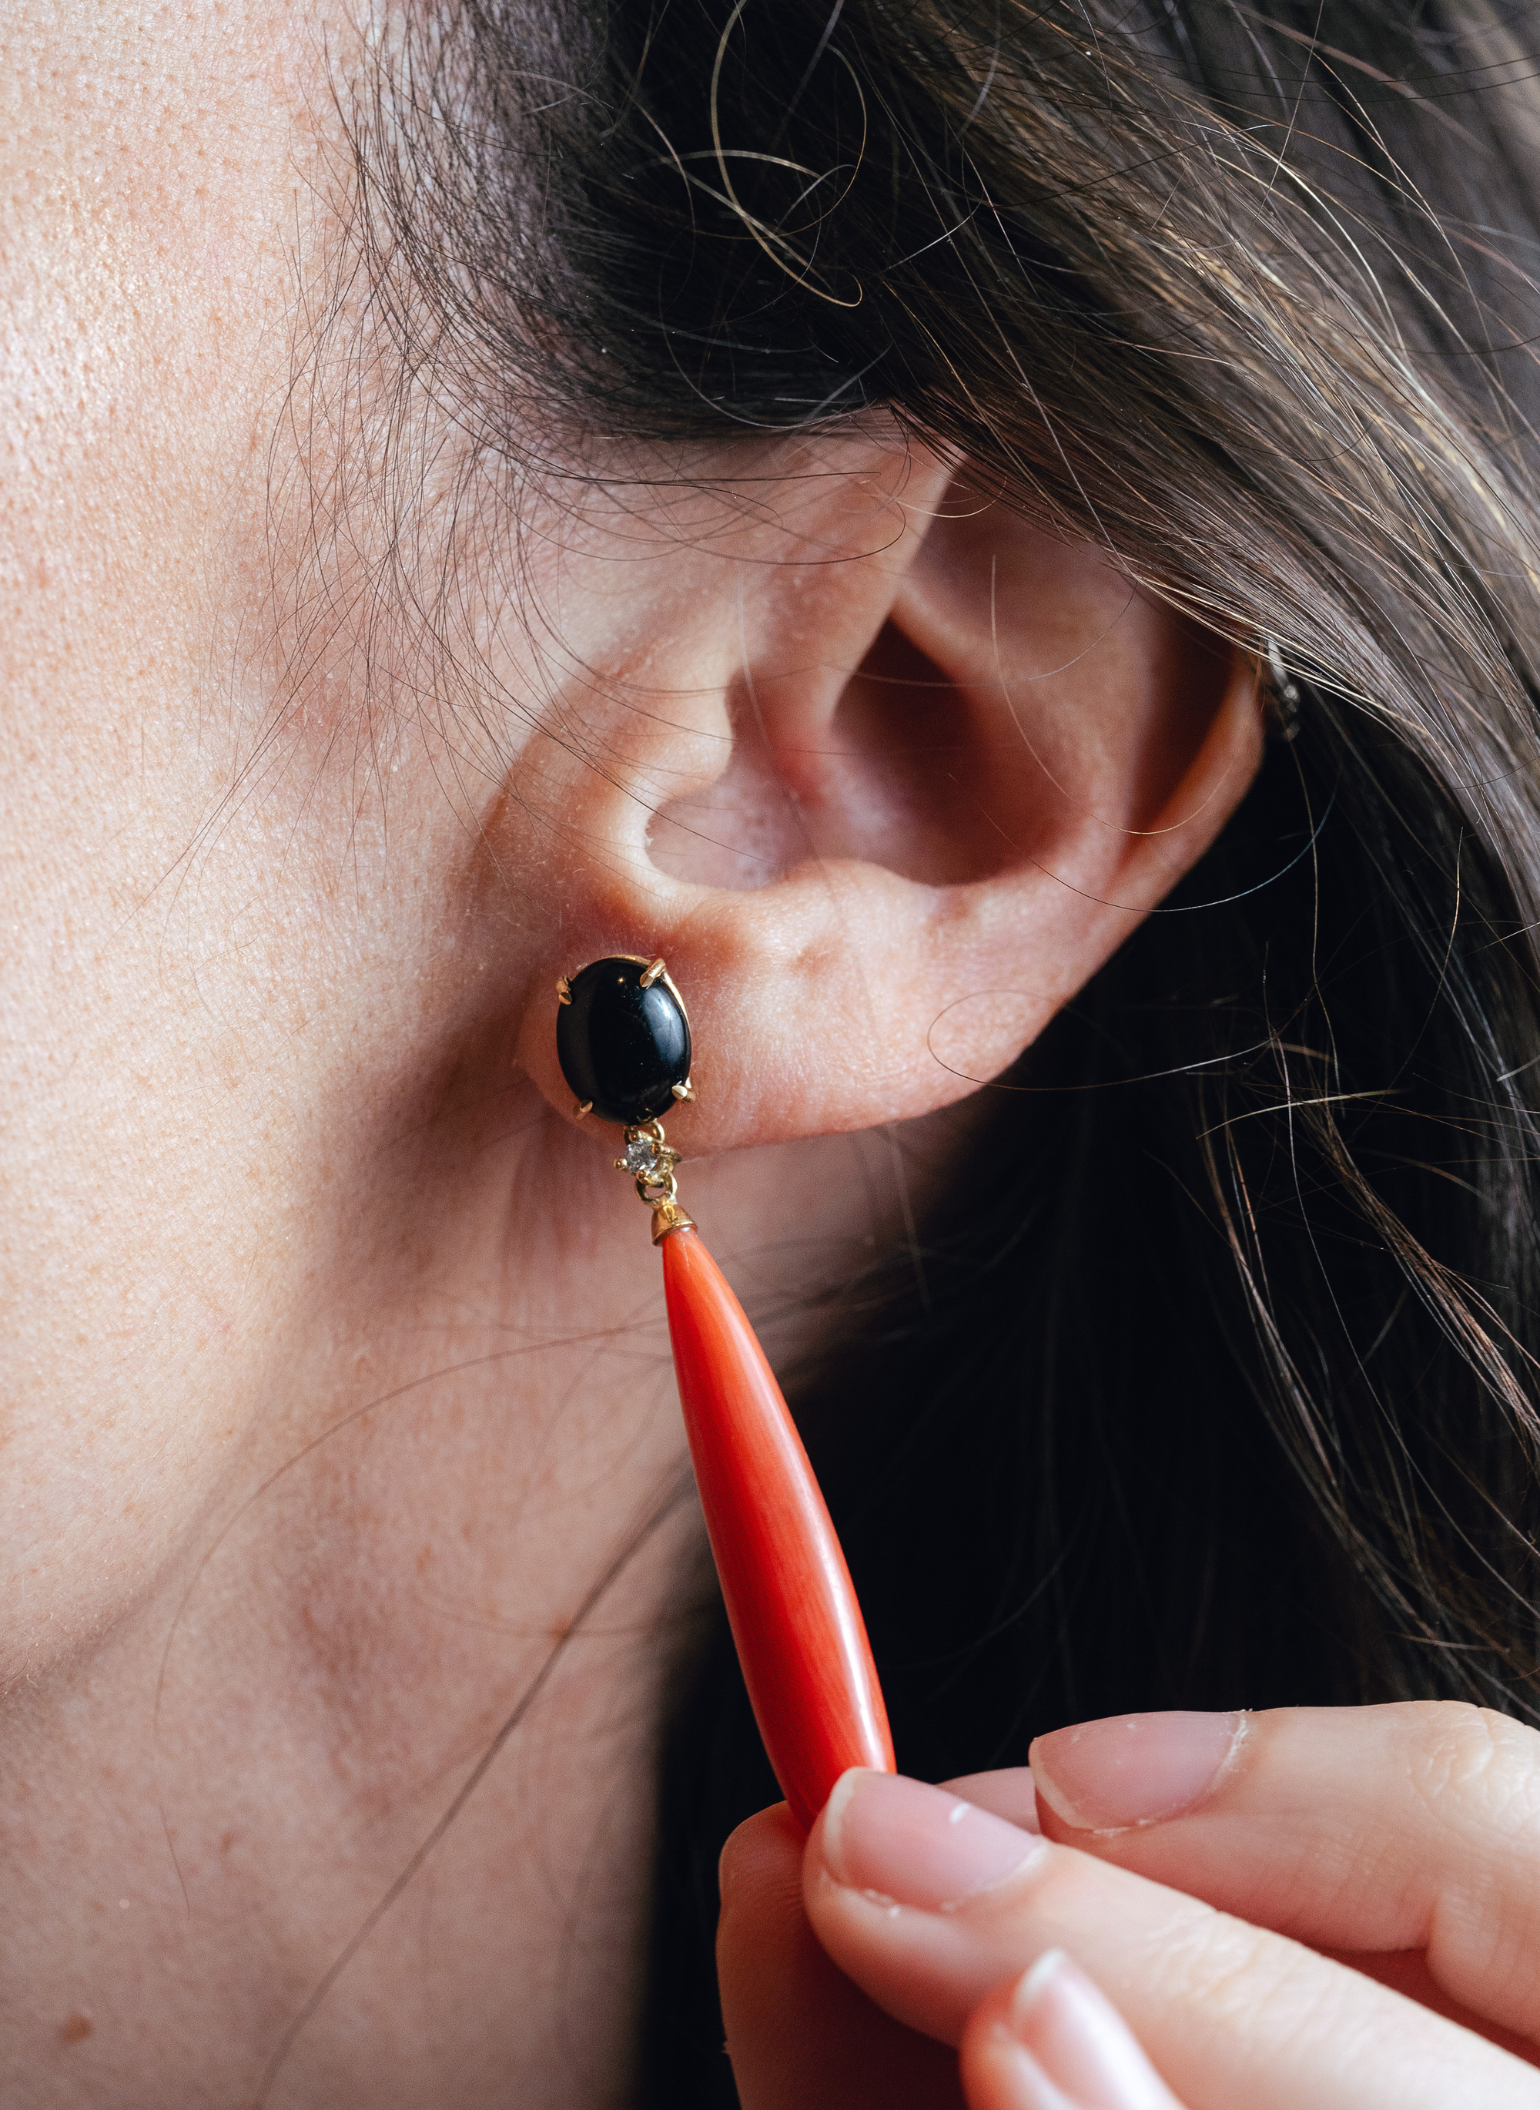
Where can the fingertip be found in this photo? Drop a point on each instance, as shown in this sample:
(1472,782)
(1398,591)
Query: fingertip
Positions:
(1008,1791)
(801,2035)
(760,1850)
(998,2070)
(1052,2040)
(826,1841)
(999,2073)
(1134,1770)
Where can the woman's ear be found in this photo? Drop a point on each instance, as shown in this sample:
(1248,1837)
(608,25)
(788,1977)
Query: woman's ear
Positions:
(921,770)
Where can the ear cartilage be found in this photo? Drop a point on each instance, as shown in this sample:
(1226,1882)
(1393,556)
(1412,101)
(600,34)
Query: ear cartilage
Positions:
(623,1041)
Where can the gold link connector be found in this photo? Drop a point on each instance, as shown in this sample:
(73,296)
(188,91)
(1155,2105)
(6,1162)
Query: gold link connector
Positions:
(651,1162)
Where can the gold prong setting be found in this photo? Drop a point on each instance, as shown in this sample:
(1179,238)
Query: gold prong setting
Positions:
(623,1045)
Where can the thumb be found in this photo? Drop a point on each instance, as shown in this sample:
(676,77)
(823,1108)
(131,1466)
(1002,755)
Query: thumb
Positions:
(800,2035)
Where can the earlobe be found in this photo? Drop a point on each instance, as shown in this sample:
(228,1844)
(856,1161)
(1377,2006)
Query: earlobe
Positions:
(932,769)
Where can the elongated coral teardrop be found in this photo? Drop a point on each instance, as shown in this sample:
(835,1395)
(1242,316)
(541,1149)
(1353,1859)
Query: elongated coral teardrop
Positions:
(798,1628)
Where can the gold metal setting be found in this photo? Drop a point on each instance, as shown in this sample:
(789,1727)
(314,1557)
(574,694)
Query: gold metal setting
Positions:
(669,1216)
(655,1181)
(657,1186)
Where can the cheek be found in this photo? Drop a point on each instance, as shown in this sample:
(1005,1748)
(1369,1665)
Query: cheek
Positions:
(157,956)
(129,1287)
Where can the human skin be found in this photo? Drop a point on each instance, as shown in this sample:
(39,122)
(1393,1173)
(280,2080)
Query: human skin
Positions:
(336,1373)
(1333,1908)
(229,1224)
(268,1163)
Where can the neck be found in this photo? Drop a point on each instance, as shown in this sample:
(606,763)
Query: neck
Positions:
(387,1608)
(382,1715)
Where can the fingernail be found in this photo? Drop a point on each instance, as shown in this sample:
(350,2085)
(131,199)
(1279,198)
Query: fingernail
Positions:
(910,1844)
(1079,2041)
(1008,1792)
(1133,1768)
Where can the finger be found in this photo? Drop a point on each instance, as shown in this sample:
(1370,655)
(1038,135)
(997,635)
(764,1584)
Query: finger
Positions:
(1009,1791)
(1052,2040)
(799,2034)
(1406,1971)
(1398,1828)
(929,1904)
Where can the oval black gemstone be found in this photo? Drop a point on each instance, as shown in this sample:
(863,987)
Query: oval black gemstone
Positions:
(620,1045)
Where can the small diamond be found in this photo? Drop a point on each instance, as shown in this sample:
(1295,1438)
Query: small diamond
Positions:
(641,1157)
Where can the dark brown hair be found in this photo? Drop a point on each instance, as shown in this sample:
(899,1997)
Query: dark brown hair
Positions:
(1221,1391)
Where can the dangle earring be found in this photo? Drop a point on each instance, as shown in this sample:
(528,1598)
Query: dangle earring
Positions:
(623,1041)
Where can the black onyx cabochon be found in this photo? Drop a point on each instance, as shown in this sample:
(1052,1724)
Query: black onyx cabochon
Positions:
(620,1045)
